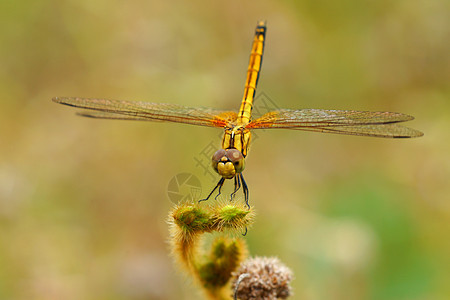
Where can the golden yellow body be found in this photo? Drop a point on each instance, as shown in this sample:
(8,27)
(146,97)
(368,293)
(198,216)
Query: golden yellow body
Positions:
(238,137)
(229,161)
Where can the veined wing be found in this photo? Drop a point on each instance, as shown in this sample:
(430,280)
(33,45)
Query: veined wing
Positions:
(145,111)
(364,123)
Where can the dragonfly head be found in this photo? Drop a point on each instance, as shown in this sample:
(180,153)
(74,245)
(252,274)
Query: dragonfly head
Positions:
(228,162)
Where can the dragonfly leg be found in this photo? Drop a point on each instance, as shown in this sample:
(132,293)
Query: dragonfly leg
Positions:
(245,187)
(237,186)
(246,230)
(219,185)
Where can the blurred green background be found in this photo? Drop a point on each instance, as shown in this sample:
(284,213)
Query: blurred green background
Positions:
(83,202)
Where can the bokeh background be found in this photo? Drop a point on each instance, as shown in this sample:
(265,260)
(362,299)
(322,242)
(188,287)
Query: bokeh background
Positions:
(83,203)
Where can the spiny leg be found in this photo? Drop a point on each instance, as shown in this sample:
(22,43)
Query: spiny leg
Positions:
(219,185)
(245,188)
(220,188)
(237,186)
(246,230)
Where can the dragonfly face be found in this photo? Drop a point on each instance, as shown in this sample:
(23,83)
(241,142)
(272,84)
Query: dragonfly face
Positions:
(229,161)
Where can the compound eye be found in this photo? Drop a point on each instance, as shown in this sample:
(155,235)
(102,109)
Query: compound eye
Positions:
(217,157)
(237,159)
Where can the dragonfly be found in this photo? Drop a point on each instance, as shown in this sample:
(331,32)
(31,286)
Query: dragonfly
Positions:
(229,160)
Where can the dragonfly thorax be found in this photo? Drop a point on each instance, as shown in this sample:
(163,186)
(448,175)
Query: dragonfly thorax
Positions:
(237,137)
(228,162)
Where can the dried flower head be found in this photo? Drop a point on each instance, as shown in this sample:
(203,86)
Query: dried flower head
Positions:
(262,278)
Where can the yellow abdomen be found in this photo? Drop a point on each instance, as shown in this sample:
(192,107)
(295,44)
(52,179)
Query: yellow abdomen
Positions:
(254,67)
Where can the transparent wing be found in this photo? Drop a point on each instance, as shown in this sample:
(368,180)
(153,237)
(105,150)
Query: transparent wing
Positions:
(364,123)
(381,130)
(145,111)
